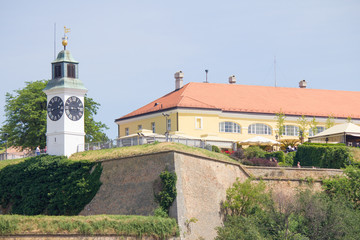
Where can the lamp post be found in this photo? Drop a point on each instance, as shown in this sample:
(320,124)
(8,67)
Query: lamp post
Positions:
(166,126)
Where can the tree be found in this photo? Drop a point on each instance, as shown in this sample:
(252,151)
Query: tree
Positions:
(242,199)
(313,126)
(303,124)
(349,120)
(280,119)
(94,130)
(330,121)
(25,117)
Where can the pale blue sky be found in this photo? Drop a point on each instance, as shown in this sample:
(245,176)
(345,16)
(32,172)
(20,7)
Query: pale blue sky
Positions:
(129,50)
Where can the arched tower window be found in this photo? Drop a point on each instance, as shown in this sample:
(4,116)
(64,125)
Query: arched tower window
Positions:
(259,128)
(57,69)
(229,127)
(71,70)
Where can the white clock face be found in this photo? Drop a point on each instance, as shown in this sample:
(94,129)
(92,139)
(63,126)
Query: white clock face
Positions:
(74,108)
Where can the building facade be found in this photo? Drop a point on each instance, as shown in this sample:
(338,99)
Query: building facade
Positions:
(239,112)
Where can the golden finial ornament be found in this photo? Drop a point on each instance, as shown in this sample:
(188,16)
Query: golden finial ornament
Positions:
(65,38)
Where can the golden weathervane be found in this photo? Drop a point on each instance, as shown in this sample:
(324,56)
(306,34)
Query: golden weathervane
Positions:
(64,41)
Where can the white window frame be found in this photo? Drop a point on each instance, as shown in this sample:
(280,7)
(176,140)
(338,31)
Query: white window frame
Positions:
(196,122)
(229,127)
(291,130)
(127,131)
(259,129)
(139,127)
(168,125)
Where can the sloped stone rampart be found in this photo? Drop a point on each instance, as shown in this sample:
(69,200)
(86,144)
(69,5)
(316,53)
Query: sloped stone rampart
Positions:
(128,187)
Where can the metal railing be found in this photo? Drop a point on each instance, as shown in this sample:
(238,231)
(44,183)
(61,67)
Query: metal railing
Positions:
(140,140)
(14,156)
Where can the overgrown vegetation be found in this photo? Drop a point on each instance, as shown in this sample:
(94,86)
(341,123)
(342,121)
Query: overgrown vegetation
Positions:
(138,226)
(50,185)
(251,212)
(347,186)
(323,155)
(256,156)
(168,192)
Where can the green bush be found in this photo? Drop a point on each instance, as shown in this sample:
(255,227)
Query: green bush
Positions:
(306,215)
(50,185)
(254,152)
(167,195)
(279,155)
(289,158)
(215,148)
(323,155)
(160,212)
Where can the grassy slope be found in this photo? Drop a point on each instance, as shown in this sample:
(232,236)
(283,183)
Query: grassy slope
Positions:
(145,149)
(89,225)
(112,153)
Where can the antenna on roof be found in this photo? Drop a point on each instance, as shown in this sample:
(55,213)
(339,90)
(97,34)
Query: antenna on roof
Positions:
(206,71)
(275,69)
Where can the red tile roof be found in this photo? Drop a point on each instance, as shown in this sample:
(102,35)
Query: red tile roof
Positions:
(257,99)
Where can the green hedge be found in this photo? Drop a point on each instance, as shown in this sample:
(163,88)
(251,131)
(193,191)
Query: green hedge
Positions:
(323,155)
(324,144)
(279,155)
(50,185)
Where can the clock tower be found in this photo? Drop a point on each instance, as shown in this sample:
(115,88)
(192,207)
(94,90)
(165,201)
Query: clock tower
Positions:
(65,106)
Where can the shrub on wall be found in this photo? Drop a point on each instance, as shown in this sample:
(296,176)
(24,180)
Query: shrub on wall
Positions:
(50,185)
(279,155)
(168,193)
(323,155)
(215,148)
(254,152)
(260,162)
(289,158)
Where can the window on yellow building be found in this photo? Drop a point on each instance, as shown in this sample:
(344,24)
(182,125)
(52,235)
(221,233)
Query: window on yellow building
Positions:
(168,125)
(313,131)
(139,127)
(229,127)
(198,122)
(291,130)
(153,127)
(259,128)
(126,131)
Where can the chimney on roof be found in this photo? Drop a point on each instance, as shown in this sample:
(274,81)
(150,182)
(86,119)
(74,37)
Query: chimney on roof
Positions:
(302,84)
(179,80)
(232,79)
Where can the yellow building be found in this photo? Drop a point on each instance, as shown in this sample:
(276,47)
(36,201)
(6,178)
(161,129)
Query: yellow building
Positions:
(239,112)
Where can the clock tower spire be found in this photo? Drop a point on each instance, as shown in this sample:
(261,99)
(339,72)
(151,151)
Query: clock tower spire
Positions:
(65,105)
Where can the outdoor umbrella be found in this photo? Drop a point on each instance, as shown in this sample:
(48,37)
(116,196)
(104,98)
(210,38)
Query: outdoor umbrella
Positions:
(259,141)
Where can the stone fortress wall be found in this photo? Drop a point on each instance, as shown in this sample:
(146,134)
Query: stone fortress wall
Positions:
(129,185)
